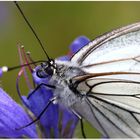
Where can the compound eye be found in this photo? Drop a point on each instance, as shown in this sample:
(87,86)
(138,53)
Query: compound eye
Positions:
(49,70)
(40,74)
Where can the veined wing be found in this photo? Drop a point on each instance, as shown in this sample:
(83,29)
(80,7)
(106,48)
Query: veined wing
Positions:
(111,105)
(122,43)
(131,64)
(112,85)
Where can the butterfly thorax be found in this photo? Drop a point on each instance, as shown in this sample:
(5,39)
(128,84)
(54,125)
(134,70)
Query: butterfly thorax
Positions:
(65,90)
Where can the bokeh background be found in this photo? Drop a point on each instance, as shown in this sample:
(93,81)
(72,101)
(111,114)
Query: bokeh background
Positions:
(57,24)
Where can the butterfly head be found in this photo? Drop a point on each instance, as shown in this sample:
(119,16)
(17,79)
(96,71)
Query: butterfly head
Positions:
(47,68)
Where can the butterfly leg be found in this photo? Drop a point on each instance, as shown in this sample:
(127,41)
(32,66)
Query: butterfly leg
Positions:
(39,86)
(48,104)
(81,123)
(82,128)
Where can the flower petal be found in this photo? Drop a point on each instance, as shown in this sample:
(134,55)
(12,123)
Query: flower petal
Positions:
(49,119)
(64,58)
(78,43)
(37,103)
(1,72)
(13,116)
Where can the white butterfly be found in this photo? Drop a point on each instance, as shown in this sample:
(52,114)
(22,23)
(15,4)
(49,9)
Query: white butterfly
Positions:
(101,83)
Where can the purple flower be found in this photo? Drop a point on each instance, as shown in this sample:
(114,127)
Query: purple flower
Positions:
(50,120)
(56,121)
(13,116)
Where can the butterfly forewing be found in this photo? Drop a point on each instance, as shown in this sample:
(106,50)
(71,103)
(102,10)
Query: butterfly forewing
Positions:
(111,46)
(128,65)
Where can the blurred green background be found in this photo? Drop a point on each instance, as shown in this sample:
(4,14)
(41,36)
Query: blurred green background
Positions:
(57,24)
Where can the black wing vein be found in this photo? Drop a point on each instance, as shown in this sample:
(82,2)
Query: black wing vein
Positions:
(107,118)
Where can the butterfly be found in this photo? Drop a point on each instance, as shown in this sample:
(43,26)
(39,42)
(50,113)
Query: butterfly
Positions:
(101,82)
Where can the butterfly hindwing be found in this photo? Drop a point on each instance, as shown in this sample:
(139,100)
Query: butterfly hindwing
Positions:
(114,105)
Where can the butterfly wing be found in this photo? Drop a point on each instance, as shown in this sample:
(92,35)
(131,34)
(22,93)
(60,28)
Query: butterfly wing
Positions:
(111,85)
(112,106)
(120,44)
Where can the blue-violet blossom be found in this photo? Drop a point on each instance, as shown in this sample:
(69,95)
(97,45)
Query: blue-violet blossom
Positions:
(56,122)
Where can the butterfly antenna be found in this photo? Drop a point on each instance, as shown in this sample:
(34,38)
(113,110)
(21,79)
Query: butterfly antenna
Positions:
(28,23)
(6,68)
